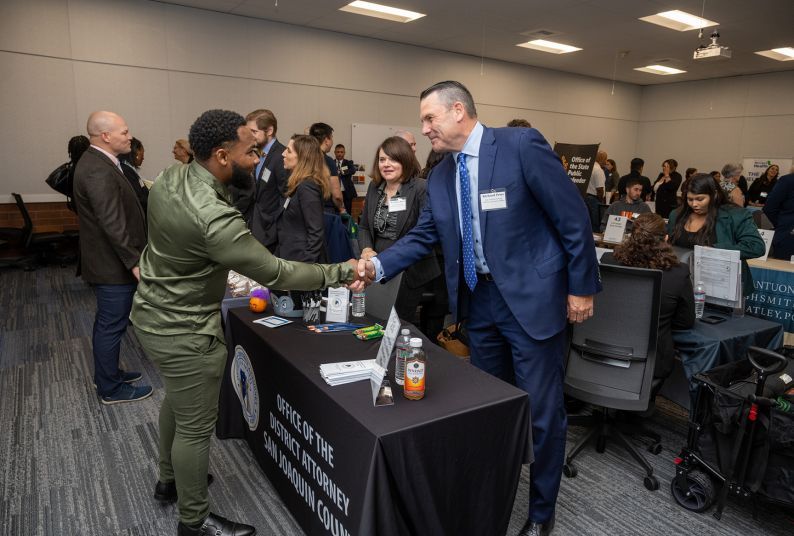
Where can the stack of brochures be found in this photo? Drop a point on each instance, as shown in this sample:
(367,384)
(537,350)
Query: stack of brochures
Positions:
(347,372)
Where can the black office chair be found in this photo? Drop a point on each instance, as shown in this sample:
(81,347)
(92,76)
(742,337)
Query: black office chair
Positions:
(612,369)
(47,246)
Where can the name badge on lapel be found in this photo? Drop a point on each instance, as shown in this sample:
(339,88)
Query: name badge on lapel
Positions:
(397,204)
(286,202)
(495,199)
(265,175)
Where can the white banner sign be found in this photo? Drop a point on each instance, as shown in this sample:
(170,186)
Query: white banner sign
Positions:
(755,167)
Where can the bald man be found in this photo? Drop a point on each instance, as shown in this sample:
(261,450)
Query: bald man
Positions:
(112,237)
(407,136)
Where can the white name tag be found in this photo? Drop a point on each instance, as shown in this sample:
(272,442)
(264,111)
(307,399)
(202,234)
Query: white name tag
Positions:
(397,204)
(493,200)
(286,203)
(265,174)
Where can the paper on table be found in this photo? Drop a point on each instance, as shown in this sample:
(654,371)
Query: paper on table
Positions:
(337,305)
(347,371)
(767,235)
(381,390)
(600,252)
(720,272)
(616,227)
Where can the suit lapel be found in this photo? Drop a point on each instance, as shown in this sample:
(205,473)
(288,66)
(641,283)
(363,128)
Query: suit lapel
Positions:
(407,191)
(120,176)
(447,173)
(487,159)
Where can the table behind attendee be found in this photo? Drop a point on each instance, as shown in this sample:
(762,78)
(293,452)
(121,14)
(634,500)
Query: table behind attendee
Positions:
(646,247)
(519,261)
(395,198)
(197,237)
(301,230)
(666,188)
(779,208)
(706,219)
(112,237)
(759,190)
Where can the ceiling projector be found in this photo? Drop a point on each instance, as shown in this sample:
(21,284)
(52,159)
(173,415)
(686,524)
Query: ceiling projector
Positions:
(712,51)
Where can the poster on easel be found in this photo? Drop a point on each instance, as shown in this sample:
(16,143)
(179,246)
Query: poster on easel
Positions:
(578,162)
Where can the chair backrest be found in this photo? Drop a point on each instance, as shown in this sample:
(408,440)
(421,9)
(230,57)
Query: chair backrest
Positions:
(27,228)
(381,298)
(611,355)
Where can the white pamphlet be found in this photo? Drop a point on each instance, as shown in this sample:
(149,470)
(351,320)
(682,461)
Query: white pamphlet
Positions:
(337,310)
(615,229)
(767,236)
(720,271)
(381,390)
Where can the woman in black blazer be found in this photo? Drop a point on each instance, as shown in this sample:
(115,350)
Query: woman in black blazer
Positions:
(300,225)
(647,247)
(394,200)
(666,188)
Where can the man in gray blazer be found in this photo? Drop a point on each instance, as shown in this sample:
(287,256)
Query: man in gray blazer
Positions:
(112,237)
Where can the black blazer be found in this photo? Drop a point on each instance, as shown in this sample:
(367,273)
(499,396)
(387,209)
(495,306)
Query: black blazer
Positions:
(667,194)
(415,192)
(346,179)
(260,202)
(301,230)
(677,311)
(135,181)
(112,222)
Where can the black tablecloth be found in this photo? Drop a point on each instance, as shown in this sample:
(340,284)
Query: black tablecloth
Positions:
(447,464)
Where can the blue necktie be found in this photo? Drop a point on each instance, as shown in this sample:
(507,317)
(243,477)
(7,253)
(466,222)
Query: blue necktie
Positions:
(469,273)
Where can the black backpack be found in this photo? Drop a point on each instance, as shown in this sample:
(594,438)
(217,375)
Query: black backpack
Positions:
(62,181)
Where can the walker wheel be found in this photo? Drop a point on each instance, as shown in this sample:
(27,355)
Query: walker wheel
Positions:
(651,483)
(569,470)
(693,490)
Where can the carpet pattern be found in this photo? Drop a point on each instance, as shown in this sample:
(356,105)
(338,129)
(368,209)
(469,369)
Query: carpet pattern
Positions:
(71,466)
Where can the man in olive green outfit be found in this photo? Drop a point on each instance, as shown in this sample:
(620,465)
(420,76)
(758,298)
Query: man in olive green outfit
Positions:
(195,236)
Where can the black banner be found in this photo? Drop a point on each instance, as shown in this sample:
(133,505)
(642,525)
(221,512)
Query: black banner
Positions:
(578,161)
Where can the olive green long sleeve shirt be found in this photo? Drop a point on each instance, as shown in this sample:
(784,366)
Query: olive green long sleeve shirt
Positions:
(195,237)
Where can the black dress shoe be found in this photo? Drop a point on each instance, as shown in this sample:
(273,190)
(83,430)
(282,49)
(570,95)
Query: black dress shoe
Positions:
(166,493)
(533,528)
(216,525)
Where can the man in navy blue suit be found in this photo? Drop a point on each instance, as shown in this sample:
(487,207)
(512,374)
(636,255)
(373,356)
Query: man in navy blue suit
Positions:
(520,261)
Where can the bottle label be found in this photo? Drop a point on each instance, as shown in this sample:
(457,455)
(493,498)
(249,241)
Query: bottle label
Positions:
(415,376)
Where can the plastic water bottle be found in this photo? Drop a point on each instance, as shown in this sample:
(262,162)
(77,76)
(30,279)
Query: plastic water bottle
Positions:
(700,299)
(415,371)
(403,351)
(359,303)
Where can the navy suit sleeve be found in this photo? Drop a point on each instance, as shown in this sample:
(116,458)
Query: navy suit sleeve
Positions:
(412,247)
(777,197)
(566,210)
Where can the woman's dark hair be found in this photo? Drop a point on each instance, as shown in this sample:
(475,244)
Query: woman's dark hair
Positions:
(700,184)
(400,150)
(135,146)
(673,163)
(77,146)
(645,247)
(433,159)
(214,129)
(765,176)
(689,172)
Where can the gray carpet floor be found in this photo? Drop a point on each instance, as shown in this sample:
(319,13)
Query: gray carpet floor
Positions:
(71,466)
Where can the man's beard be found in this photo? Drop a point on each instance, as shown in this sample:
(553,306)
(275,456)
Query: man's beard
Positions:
(240,177)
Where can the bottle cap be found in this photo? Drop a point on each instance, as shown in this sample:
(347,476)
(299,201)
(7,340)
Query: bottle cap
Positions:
(416,342)
(406,331)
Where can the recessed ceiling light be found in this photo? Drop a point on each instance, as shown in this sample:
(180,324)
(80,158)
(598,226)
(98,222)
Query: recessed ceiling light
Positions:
(371,9)
(779,54)
(679,20)
(548,46)
(659,69)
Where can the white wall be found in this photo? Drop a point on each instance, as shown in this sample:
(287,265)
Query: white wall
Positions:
(161,65)
(709,123)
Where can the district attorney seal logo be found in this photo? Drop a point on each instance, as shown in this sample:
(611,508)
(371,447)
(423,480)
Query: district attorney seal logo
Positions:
(244,383)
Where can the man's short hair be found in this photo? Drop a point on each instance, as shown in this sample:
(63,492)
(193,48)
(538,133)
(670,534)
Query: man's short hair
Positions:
(338,145)
(320,131)
(450,92)
(637,164)
(634,181)
(522,123)
(264,119)
(213,129)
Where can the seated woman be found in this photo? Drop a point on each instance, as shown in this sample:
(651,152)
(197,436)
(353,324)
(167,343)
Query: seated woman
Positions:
(706,219)
(761,187)
(395,198)
(646,247)
(300,225)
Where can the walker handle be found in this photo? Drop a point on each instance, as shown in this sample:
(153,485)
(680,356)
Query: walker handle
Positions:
(780,361)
